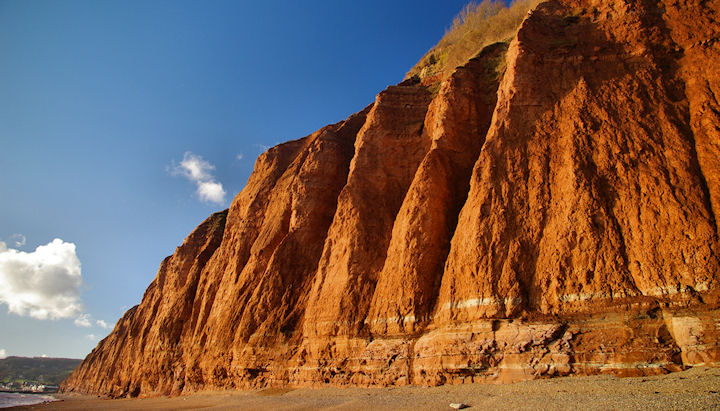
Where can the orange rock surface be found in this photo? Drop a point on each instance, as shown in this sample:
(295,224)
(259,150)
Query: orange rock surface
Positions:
(548,209)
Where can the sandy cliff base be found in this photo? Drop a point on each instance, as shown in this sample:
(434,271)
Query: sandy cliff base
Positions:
(696,388)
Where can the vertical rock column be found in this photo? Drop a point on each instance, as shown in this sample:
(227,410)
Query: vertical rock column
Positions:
(457,121)
(388,150)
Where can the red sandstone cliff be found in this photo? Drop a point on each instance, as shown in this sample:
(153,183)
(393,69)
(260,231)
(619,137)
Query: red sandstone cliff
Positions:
(549,208)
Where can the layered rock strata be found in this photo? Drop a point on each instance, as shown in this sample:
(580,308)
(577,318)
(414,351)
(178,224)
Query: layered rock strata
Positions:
(548,209)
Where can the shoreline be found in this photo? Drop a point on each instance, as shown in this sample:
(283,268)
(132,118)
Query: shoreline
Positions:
(13,399)
(29,392)
(695,388)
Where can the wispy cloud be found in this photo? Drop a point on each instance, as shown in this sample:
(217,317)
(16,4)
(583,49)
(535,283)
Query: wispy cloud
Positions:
(43,284)
(103,324)
(199,171)
(91,337)
(3,353)
(87,321)
(83,321)
(18,240)
(239,156)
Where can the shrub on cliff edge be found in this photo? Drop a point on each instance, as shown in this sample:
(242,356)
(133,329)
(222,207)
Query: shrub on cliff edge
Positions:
(476,26)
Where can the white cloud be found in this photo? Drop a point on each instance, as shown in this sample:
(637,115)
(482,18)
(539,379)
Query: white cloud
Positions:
(199,171)
(3,353)
(83,321)
(103,324)
(239,156)
(211,192)
(43,284)
(194,168)
(86,320)
(91,337)
(18,239)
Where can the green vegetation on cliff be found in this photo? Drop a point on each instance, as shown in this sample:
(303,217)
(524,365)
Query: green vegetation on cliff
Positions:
(477,26)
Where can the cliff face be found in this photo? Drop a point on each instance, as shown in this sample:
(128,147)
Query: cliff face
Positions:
(549,208)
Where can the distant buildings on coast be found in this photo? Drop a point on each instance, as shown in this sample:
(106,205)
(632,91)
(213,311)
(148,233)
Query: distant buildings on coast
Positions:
(28,387)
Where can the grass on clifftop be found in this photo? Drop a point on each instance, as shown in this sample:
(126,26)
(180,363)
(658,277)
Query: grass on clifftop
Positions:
(478,25)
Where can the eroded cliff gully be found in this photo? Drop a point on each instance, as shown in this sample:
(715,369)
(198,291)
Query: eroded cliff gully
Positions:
(550,208)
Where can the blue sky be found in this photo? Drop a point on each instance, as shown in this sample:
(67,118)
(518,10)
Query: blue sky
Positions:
(113,114)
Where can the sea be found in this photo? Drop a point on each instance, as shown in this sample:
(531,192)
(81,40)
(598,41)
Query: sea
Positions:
(13,399)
